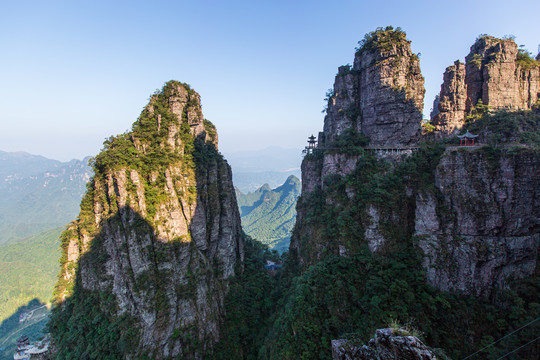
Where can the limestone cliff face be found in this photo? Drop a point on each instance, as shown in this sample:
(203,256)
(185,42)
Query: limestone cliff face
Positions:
(159,230)
(494,72)
(472,213)
(381,96)
(480,229)
(475,222)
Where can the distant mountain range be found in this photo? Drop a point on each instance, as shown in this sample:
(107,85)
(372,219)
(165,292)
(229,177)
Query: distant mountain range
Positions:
(38,197)
(269,215)
(272,166)
(38,194)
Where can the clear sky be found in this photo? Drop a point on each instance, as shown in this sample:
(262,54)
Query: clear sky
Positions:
(73,73)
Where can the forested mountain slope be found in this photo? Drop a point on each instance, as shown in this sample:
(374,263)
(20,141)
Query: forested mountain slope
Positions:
(38,193)
(268,215)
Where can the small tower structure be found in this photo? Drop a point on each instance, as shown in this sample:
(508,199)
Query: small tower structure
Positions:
(312,144)
(467,139)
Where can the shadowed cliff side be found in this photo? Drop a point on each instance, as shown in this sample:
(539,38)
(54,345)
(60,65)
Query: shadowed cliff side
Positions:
(157,238)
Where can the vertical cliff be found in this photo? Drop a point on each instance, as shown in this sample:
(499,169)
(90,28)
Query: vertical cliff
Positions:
(157,237)
(376,103)
(381,96)
(495,72)
(472,212)
(479,227)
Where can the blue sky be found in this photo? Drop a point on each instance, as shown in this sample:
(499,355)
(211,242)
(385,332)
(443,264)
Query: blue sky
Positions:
(73,73)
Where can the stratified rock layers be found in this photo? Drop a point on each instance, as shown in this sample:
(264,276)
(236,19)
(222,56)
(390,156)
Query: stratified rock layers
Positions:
(478,225)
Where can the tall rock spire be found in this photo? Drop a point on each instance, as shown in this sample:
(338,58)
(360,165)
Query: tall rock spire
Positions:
(497,73)
(382,95)
(157,238)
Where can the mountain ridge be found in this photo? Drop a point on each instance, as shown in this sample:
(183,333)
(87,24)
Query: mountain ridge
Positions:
(268,215)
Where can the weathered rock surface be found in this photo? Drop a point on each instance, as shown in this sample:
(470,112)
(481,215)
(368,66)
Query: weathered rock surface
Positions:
(386,345)
(381,96)
(161,237)
(483,230)
(452,99)
(492,73)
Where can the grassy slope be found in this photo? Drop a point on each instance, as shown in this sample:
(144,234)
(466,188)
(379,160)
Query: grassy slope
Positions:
(29,269)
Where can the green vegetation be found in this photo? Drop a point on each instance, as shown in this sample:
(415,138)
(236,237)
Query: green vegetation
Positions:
(268,215)
(83,330)
(373,182)
(477,112)
(88,324)
(38,194)
(336,297)
(29,269)
(343,297)
(349,141)
(525,60)
(253,297)
(382,39)
(477,60)
(146,146)
(427,128)
(521,126)
(37,315)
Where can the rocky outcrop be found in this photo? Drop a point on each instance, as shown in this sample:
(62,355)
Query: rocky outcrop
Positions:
(494,72)
(452,100)
(481,229)
(159,231)
(381,96)
(388,344)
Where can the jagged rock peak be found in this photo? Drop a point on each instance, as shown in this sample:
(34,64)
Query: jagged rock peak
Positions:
(173,110)
(381,96)
(157,238)
(496,73)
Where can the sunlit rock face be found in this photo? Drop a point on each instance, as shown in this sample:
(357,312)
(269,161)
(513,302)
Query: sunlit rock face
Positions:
(494,73)
(381,96)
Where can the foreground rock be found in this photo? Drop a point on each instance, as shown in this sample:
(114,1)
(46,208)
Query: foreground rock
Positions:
(386,345)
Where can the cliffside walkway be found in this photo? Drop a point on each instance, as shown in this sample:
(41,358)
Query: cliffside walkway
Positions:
(384,151)
(378,150)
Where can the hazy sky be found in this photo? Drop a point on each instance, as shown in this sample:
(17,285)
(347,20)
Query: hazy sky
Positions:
(73,73)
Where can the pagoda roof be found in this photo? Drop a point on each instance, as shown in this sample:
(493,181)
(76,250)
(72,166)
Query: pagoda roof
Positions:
(467,135)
